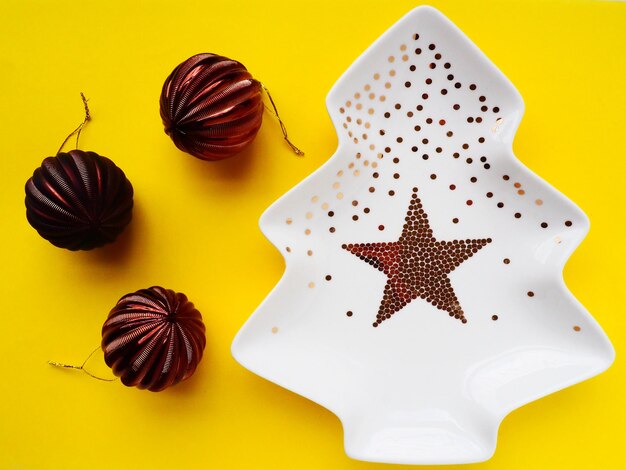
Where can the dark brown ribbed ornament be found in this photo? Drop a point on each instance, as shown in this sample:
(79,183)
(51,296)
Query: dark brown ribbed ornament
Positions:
(211,106)
(153,338)
(79,200)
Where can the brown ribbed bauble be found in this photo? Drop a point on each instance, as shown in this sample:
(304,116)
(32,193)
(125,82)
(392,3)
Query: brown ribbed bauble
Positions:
(79,200)
(153,338)
(211,106)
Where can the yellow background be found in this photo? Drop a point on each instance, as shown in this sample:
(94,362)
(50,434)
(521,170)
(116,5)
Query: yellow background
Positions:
(195,223)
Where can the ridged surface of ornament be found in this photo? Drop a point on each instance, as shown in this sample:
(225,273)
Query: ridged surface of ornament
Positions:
(153,338)
(211,106)
(79,200)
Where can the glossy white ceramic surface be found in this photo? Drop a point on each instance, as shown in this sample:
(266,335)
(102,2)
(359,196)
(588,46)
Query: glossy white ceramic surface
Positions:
(422,386)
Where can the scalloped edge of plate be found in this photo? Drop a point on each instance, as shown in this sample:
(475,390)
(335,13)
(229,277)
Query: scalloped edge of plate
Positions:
(606,357)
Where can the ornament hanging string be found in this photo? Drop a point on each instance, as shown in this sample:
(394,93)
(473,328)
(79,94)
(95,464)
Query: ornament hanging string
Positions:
(295,149)
(79,129)
(82,367)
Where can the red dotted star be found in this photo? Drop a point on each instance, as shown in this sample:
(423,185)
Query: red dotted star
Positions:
(417,265)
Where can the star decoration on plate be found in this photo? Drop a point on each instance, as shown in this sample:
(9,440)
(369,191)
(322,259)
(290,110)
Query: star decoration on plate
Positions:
(423,107)
(417,265)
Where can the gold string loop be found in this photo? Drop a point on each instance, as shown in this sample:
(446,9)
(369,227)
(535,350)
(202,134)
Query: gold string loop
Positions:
(82,366)
(295,149)
(79,129)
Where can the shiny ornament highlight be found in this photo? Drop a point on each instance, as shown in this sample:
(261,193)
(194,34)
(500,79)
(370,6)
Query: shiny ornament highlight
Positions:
(211,106)
(79,200)
(153,338)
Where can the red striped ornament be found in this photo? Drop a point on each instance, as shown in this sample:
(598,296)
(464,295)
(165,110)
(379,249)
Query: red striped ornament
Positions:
(211,106)
(153,338)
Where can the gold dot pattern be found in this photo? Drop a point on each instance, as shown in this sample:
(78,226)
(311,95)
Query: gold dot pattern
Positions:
(476,117)
(484,114)
(417,265)
(362,115)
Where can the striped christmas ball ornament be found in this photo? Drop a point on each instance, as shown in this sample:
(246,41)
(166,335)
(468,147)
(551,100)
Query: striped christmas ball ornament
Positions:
(211,106)
(153,338)
(79,200)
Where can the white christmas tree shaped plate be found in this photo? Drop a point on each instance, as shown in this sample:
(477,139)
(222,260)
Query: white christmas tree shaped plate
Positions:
(423,297)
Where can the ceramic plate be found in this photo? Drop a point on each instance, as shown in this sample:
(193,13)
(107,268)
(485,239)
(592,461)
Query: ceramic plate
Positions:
(423,297)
